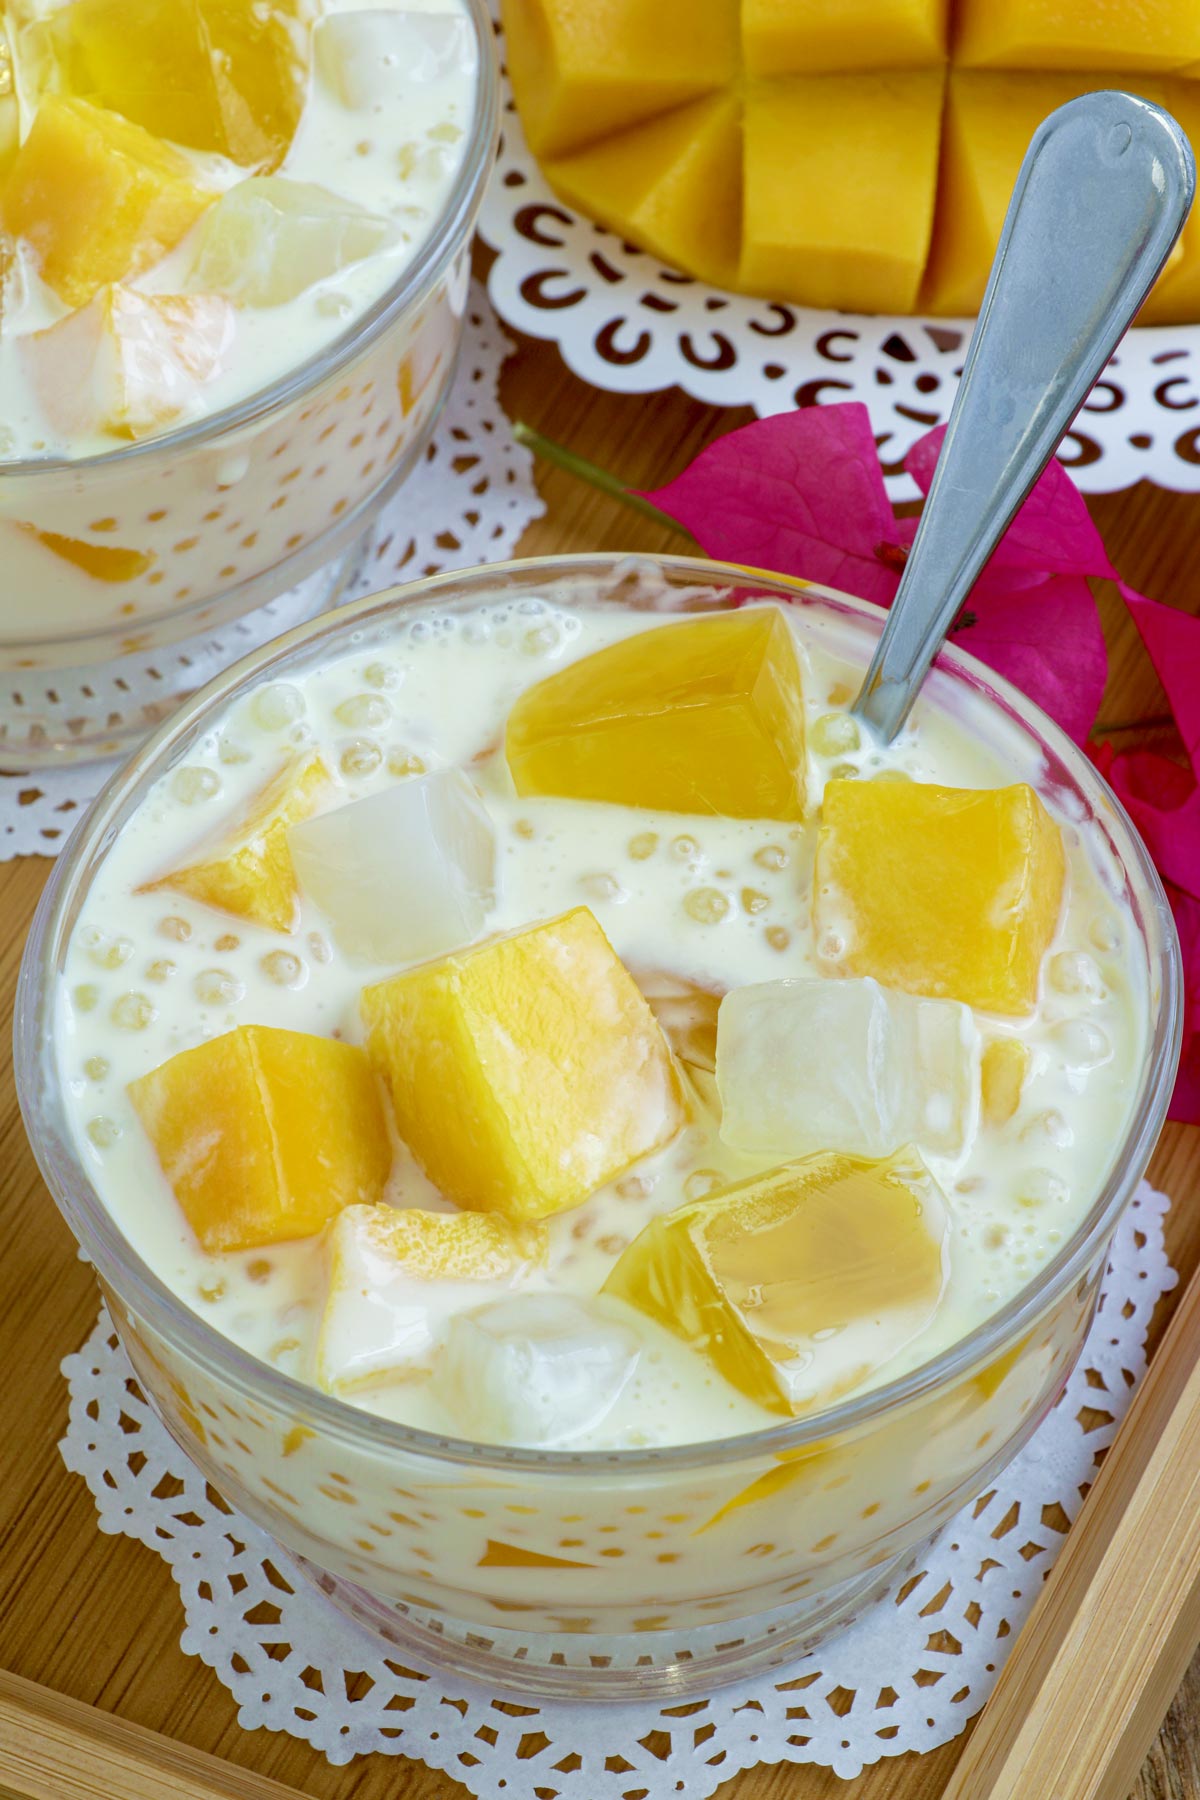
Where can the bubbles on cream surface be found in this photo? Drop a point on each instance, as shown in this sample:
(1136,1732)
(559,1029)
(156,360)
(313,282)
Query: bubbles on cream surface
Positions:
(688,902)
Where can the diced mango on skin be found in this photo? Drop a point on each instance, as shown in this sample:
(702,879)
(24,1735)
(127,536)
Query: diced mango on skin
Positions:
(1077,34)
(97,198)
(248,870)
(219,75)
(673,185)
(581,69)
(265,1135)
(799,1283)
(813,37)
(703,716)
(950,892)
(840,178)
(1002,1071)
(526,1072)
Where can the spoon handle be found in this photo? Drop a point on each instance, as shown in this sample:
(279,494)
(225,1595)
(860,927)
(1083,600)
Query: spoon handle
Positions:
(1101,196)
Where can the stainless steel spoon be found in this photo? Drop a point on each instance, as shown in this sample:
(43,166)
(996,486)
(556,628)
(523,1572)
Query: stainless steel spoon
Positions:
(1101,196)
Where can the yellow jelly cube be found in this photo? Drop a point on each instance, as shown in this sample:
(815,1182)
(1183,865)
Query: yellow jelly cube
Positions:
(811,37)
(952,892)
(248,869)
(1002,1071)
(581,69)
(703,716)
(395,1274)
(527,1072)
(265,1134)
(1077,34)
(221,75)
(97,198)
(673,186)
(840,177)
(798,1284)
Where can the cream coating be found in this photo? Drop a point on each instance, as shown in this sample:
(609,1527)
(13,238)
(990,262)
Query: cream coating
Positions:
(718,902)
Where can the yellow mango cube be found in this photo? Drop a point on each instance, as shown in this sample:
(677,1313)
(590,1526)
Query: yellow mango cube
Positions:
(265,1134)
(97,198)
(813,37)
(581,69)
(394,1274)
(10,110)
(840,177)
(220,75)
(703,716)
(673,186)
(799,1284)
(527,1072)
(1002,1071)
(1077,34)
(951,892)
(248,869)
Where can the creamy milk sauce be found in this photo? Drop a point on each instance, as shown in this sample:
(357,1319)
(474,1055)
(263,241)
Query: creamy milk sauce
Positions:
(150,974)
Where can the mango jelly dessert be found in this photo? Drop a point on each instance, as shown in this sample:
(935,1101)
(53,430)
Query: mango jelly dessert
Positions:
(950,892)
(220,75)
(97,198)
(798,1283)
(840,177)
(527,1072)
(582,70)
(248,869)
(703,716)
(811,37)
(1077,34)
(391,1271)
(674,184)
(265,1134)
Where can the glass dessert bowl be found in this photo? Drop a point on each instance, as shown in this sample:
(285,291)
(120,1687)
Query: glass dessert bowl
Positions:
(709,1518)
(204,412)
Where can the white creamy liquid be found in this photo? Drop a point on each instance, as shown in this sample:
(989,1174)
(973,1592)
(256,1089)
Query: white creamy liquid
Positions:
(440,693)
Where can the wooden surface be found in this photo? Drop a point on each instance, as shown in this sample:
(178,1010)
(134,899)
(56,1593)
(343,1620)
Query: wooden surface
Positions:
(97,1618)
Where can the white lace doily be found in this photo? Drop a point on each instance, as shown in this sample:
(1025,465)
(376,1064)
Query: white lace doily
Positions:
(624,323)
(472,496)
(907,1676)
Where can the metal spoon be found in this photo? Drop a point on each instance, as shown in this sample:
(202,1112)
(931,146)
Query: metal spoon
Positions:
(1101,196)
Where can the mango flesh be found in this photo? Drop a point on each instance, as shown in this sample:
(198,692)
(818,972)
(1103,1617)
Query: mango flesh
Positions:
(1002,1071)
(527,1072)
(1077,34)
(703,716)
(950,892)
(799,1283)
(581,69)
(248,871)
(96,197)
(217,75)
(812,37)
(265,1135)
(674,185)
(840,177)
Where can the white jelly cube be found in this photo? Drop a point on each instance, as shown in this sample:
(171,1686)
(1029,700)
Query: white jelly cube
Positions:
(404,875)
(844,1065)
(371,60)
(268,238)
(536,1369)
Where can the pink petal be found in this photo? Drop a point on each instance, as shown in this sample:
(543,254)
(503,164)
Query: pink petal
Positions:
(1045,638)
(801,493)
(1173,641)
(1163,801)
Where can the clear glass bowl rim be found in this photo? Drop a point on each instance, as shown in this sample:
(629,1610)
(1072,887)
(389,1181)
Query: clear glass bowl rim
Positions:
(451,229)
(119,1264)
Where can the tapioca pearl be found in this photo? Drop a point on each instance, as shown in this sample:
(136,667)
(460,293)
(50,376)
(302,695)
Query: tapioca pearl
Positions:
(193,783)
(706,905)
(319,947)
(277,706)
(1049,1127)
(635,1187)
(103,1132)
(179,930)
(1080,1043)
(642,845)
(382,675)
(835,734)
(778,937)
(284,968)
(401,761)
(1041,1187)
(363,712)
(772,856)
(161,969)
(362,757)
(106,952)
(217,987)
(1075,972)
(684,848)
(133,1011)
(228,751)
(754,900)
(602,886)
(211,1289)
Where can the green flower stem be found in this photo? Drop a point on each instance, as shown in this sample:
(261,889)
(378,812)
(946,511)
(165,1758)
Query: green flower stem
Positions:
(594,475)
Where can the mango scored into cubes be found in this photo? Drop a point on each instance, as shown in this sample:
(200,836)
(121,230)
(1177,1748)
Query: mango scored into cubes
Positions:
(248,871)
(265,1134)
(950,892)
(97,198)
(799,1283)
(527,1072)
(703,716)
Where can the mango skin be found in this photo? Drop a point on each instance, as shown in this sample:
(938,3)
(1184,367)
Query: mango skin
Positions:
(701,716)
(265,1135)
(526,1072)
